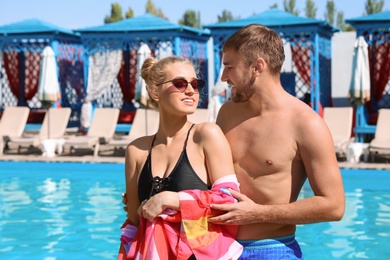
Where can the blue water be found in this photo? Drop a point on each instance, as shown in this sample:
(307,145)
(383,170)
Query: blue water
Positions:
(73,211)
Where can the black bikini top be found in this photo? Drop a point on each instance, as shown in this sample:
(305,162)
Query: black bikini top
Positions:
(182,177)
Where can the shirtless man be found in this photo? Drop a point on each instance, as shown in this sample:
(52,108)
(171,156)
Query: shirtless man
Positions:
(277,142)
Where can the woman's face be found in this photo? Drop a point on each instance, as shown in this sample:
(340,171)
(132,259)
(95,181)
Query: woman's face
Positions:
(173,100)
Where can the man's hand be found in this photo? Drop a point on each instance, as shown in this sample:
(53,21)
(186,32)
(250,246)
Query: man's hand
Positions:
(124,201)
(241,213)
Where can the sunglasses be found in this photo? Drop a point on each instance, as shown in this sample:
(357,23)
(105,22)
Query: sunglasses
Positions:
(182,84)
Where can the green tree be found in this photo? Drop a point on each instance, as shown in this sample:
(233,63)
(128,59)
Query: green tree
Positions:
(275,5)
(374,6)
(341,23)
(152,9)
(129,13)
(289,6)
(116,14)
(225,16)
(310,9)
(330,12)
(191,18)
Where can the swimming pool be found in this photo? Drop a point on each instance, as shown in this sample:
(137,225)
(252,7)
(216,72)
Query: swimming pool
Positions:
(73,211)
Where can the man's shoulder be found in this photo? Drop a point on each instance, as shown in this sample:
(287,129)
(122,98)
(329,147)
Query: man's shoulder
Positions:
(230,107)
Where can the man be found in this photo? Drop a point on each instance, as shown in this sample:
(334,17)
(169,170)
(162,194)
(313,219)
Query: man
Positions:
(277,142)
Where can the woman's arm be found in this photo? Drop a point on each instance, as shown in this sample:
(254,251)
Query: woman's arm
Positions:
(218,155)
(131,176)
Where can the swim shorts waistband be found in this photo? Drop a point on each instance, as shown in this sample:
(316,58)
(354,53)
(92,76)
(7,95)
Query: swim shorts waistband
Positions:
(269,242)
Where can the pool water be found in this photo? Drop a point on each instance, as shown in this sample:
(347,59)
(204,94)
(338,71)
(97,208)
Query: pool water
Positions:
(73,211)
(364,231)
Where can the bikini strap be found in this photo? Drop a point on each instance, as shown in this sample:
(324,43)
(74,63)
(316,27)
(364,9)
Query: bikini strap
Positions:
(154,138)
(188,134)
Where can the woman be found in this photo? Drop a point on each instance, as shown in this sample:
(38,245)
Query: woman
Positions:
(172,171)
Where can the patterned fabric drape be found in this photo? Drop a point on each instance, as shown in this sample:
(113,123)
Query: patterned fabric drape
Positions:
(103,68)
(380,69)
(127,76)
(301,58)
(32,69)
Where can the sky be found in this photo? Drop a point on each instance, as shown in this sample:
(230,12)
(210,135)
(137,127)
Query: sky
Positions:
(77,14)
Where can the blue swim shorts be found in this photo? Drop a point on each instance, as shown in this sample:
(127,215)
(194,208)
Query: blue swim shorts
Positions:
(285,247)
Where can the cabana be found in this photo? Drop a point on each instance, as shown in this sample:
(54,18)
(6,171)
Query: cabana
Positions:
(113,53)
(21,47)
(310,41)
(375,29)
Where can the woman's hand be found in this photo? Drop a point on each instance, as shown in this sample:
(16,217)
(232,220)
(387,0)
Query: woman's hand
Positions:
(151,208)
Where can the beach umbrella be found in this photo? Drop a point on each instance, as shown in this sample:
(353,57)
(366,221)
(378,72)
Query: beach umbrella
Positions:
(48,89)
(359,92)
(141,94)
(215,99)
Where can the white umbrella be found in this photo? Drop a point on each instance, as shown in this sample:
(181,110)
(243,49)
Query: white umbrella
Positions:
(48,90)
(214,102)
(359,91)
(141,94)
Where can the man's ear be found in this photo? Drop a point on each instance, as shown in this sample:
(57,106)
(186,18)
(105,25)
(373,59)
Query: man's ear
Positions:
(259,65)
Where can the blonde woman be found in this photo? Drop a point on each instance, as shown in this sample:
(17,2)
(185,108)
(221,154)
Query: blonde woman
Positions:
(173,176)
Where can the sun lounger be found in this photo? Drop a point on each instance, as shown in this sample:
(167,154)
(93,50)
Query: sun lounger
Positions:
(101,131)
(12,124)
(339,122)
(380,145)
(53,127)
(145,122)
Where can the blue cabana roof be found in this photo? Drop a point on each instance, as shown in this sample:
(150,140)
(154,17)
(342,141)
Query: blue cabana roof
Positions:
(309,38)
(274,18)
(144,23)
(33,26)
(373,18)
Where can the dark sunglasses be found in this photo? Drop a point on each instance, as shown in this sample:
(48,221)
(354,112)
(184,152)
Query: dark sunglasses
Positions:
(182,84)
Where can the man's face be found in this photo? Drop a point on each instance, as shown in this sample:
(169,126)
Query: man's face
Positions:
(238,75)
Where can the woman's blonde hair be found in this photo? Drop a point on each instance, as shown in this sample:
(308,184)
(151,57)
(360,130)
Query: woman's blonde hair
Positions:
(153,72)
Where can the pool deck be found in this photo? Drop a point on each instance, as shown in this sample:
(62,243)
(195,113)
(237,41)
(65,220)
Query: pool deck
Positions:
(108,156)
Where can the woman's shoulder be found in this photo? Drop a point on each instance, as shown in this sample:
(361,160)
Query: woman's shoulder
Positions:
(206,127)
(141,143)
(207,130)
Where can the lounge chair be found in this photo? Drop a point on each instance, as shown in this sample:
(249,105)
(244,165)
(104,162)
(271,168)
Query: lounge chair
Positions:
(200,115)
(12,124)
(145,122)
(53,127)
(339,121)
(101,131)
(380,145)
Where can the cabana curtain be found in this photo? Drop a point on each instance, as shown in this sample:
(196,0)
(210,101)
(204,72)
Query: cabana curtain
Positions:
(380,68)
(127,75)
(103,68)
(301,58)
(32,63)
